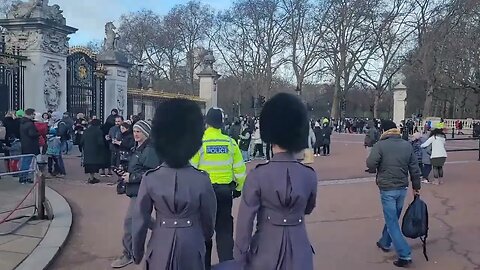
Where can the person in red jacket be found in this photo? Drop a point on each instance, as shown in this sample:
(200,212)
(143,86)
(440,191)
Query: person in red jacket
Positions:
(42,128)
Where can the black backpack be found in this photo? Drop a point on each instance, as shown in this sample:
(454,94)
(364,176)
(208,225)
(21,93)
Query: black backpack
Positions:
(415,222)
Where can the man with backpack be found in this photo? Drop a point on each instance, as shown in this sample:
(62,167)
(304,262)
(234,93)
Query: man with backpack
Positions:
(65,130)
(393,159)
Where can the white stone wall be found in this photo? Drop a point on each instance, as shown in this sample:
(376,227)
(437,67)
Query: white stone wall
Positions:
(208,92)
(39,80)
(116,90)
(399,105)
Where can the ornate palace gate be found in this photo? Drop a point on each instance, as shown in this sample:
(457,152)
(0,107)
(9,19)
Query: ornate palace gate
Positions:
(85,84)
(11,79)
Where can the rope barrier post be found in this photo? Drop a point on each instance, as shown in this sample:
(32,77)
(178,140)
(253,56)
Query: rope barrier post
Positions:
(40,178)
(453,133)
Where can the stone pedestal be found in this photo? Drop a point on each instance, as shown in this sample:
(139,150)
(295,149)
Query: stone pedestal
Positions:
(208,83)
(40,32)
(116,65)
(399,103)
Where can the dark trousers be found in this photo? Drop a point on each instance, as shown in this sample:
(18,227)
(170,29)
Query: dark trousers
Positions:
(317,150)
(259,148)
(426,169)
(223,226)
(269,151)
(326,149)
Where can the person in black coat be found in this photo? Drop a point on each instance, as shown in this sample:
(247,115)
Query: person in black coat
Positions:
(93,144)
(318,139)
(125,144)
(30,143)
(325,138)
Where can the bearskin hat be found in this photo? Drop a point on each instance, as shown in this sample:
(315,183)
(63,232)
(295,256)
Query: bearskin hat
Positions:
(284,122)
(177,131)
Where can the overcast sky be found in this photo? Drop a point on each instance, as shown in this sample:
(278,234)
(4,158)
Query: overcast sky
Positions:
(90,16)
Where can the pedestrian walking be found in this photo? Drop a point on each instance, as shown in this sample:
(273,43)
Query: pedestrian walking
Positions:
(317,147)
(93,150)
(29,138)
(182,196)
(393,159)
(326,134)
(439,153)
(278,194)
(221,158)
(143,158)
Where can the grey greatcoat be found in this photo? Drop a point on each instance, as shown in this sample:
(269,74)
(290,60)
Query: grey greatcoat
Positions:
(279,194)
(185,206)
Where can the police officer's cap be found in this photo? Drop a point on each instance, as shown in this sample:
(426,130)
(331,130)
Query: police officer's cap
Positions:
(284,122)
(214,118)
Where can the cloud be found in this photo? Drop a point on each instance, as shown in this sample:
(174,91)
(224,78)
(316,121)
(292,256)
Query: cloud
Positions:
(90,16)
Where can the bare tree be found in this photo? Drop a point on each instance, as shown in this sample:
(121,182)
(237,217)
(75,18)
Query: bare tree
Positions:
(350,44)
(305,29)
(251,41)
(392,34)
(191,22)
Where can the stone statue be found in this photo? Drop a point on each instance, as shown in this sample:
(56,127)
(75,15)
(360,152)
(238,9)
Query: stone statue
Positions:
(111,37)
(51,87)
(36,9)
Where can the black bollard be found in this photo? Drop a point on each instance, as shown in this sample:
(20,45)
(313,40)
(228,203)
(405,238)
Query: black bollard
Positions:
(453,133)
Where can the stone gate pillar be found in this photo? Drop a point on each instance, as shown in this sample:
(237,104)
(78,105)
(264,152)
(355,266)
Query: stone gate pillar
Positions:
(40,32)
(399,103)
(208,82)
(117,67)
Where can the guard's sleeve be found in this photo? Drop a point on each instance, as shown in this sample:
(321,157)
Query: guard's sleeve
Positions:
(249,205)
(195,161)
(239,168)
(141,218)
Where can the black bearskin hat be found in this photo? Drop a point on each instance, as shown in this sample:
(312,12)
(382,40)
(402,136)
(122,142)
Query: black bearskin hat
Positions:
(284,122)
(177,131)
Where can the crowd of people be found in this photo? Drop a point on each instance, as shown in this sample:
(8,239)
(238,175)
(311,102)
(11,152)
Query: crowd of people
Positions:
(190,168)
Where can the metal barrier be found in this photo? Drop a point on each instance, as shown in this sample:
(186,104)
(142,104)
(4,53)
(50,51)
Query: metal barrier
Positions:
(38,189)
(466,149)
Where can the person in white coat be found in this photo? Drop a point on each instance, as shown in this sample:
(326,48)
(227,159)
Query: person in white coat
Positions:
(439,153)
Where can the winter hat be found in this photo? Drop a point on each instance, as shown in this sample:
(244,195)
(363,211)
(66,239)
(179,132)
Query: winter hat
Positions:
(38,117)
(284,122)
(214,118)
(388,124)
(20,113)
(177,130)
(57,116)
(144,127)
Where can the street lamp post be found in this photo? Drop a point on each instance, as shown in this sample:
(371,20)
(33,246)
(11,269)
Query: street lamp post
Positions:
(140,67)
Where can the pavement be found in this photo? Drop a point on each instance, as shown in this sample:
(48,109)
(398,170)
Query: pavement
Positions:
(343,228)
(27,243)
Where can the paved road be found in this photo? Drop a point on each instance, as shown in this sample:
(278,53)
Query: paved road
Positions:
(343,228)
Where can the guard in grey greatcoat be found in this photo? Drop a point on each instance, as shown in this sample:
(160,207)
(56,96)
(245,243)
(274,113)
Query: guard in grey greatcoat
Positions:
(278,194)
(183,196)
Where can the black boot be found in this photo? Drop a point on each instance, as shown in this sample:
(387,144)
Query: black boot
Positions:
(435,172)
(402,263)
(440,172)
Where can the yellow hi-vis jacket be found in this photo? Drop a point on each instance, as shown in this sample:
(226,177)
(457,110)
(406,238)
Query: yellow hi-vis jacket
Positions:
(221,158)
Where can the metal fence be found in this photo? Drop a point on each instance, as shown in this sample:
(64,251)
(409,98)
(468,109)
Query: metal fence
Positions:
(37,190)
(466,149)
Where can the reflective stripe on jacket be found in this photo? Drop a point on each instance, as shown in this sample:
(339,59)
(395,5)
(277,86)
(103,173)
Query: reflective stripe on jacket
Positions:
(221,158)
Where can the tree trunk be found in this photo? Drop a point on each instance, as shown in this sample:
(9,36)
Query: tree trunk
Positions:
(335,102)
(477,107)
(376,102)
(428,105)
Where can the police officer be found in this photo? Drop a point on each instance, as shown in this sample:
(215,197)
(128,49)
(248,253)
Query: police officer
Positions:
(221,158)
